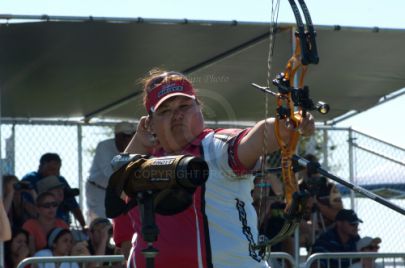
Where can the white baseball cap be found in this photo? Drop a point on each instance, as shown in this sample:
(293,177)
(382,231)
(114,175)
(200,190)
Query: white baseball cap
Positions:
(124,127)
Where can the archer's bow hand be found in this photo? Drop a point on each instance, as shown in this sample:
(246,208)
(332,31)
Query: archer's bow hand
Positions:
(305,126)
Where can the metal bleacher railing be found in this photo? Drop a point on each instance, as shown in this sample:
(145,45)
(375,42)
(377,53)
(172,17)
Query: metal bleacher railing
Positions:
(394,260)
(277,260)
(110,259)
(281,259)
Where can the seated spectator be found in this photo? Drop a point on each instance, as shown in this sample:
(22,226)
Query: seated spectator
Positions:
(49,165)
(341,238)
(100,232)
(16,249)
(13,201)
(324,203)
(53,185)
(38,229)
(60,243)
(5,229)
(268,200)
(367,245)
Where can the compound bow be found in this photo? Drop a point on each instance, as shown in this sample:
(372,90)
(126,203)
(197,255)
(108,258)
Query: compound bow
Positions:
(292,106)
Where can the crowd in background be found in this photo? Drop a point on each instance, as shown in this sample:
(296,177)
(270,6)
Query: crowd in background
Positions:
(36,212)
(326,226)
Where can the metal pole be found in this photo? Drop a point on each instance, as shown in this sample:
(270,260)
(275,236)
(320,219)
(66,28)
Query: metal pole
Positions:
(351,165)
(12,150)
(305,163)
(325,148)
(80,163)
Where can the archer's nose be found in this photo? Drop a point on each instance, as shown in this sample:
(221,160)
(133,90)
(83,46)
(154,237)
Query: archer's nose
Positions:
(178,114)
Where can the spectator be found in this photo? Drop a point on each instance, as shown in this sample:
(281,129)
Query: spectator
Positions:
(100,232)
(62,194)
(268,199)
(367,245)
(323,204)
(49,165)
(38,229)
(101,170)
(60,243)
(5,229)
(341,238)
(13,190)
(16,249)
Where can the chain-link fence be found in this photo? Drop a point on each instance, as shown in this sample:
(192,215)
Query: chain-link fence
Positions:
(372,164)
(349,154)
(23,144)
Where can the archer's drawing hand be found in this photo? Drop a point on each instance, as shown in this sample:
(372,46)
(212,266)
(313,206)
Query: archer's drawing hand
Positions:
(144,141)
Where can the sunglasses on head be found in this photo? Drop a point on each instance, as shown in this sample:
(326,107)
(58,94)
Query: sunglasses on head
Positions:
(49,205)
(159,79)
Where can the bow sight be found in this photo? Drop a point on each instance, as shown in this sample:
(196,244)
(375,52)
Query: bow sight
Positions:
(300,97)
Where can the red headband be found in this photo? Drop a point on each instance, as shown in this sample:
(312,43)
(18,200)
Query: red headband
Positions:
(161,93)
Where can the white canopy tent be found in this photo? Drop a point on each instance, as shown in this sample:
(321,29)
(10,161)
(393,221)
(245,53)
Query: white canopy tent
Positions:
(80,67)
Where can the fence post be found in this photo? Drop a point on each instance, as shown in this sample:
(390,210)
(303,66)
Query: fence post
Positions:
(80,162)
(351,165)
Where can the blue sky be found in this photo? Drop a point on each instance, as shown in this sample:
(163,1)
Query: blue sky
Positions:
(379,122)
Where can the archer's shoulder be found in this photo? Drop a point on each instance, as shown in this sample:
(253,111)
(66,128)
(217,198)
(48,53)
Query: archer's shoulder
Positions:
(225,134)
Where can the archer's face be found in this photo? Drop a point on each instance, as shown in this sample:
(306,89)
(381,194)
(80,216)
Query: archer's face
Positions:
(177,122)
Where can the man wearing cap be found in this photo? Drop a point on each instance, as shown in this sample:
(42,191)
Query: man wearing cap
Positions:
(219,228)
(324,203)
(367,245)
(342,238)
(101,170)
(49,165)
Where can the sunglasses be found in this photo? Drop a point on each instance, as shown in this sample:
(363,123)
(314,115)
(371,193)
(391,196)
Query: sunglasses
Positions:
(159,79)
(49,205)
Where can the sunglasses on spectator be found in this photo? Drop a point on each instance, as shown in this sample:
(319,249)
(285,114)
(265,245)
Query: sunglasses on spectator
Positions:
(49,205)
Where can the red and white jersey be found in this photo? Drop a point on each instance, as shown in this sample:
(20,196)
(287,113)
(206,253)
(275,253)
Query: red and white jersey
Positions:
(219,229)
